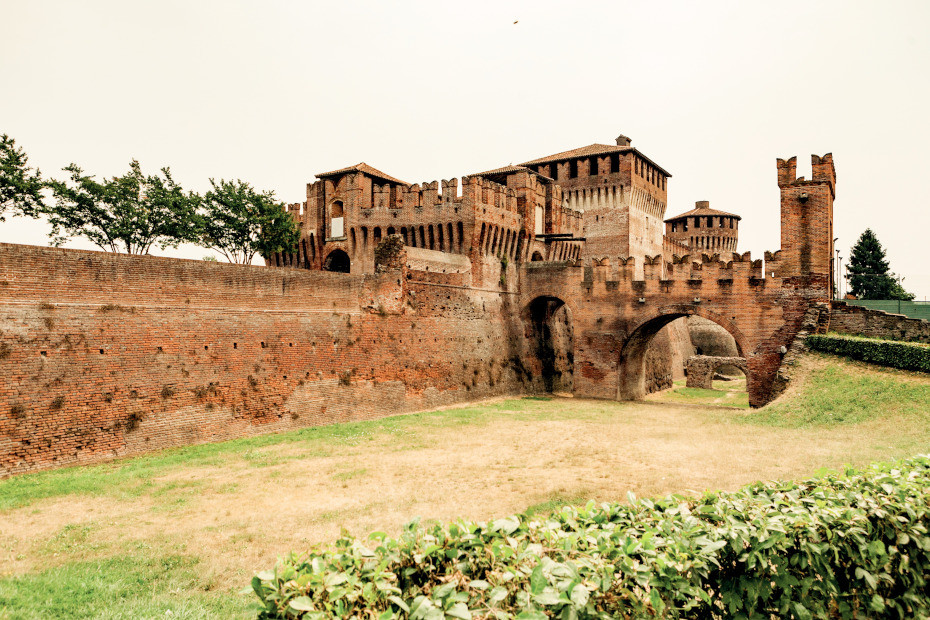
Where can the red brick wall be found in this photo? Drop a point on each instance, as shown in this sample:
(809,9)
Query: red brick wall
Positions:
(196,351)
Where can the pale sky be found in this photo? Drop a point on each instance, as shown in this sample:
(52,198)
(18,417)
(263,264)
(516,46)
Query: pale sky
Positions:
(273,92)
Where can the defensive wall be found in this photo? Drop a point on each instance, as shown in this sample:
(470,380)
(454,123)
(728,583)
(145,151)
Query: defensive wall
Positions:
(106,355)
(859,321)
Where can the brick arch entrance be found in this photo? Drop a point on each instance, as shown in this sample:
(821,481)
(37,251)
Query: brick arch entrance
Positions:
(632,359)
(550,329)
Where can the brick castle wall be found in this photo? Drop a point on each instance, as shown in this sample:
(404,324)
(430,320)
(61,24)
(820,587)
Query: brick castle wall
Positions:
(109,355)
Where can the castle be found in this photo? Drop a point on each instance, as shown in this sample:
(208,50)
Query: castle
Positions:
(589,202)
(559,274)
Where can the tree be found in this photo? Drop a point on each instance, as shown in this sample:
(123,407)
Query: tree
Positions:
(240,222)
(868,271)
(20,187)
(130,213)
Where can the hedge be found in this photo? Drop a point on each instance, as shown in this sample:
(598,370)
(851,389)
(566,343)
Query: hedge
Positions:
(896,354)
(854,545)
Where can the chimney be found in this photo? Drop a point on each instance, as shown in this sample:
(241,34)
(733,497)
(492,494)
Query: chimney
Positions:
(702,204)
(623,140)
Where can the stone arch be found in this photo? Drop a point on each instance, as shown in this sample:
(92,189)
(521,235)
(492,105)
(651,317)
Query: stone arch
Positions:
(550,330)
(632,363)
(537,256)
(337,261)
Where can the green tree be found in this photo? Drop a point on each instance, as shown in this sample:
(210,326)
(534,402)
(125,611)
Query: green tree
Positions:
(128,213)
(868,271)
(20,186)
(240,222)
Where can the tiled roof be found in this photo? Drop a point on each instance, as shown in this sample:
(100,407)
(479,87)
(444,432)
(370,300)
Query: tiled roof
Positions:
(508,170)
(593,149)
(362,167)
(703,211)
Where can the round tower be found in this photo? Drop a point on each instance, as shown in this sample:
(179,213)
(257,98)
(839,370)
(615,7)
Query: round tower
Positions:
(703,229)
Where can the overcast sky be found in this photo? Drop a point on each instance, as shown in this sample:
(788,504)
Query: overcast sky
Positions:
(273,92)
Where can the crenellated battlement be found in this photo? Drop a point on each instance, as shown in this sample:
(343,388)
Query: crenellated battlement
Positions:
(473,192)
(710,267)
(822,171)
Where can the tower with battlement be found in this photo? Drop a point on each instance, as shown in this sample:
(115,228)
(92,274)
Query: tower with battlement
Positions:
(807,220)
(622,193)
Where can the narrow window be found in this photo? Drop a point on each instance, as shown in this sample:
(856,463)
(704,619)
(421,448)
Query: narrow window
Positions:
(336,220)
(615,163)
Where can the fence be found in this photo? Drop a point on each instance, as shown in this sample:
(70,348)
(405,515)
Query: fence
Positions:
(911,309)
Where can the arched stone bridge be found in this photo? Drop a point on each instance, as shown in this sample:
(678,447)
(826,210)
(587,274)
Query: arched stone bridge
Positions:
(614,317)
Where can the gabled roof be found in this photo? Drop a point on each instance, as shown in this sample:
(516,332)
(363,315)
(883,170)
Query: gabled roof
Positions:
(593,149)
(701,212)
(509,170)
(362,167)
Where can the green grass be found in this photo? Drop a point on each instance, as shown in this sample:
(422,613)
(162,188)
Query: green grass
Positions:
(841,393)
(722,395)
(556,502)
(110,589)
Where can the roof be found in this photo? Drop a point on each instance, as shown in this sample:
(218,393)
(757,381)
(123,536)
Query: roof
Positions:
(593,149)
(509,170)
(362,167)
(703,211)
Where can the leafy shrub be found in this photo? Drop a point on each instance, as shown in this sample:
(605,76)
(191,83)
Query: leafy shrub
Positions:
(851,545)
(896,354)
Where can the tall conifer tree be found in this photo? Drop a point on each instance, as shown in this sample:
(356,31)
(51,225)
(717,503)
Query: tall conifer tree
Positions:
(868,271)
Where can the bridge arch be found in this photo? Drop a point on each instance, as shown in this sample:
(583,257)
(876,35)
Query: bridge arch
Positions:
(632,362)
(550,330)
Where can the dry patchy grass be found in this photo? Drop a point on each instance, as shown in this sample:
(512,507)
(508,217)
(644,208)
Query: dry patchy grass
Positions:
(238,510)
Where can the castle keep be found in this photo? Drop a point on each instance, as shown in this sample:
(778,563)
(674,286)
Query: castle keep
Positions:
(551,275)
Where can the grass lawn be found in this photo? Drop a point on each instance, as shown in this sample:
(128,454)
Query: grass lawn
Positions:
(179,533)
(724,393)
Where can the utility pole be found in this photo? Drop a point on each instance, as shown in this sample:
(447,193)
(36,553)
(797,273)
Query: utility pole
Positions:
(839,287)
(835,272)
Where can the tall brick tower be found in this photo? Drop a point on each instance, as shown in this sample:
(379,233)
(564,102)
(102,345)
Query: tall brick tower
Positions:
(807,222)
(622,193)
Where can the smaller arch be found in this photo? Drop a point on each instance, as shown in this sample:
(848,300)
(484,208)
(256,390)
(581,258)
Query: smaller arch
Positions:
(632,354)
(702,368)
(537,256)
(337,261)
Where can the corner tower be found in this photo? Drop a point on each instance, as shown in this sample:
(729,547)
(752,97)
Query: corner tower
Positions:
(807,222)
